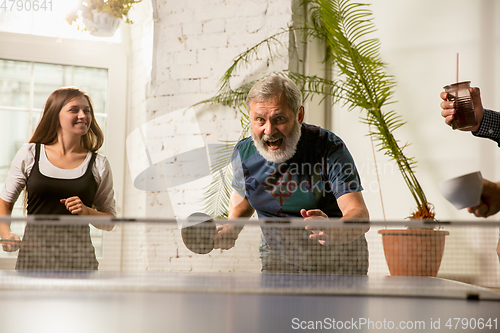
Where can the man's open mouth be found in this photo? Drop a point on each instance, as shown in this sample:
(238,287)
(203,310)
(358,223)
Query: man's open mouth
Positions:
(274,144)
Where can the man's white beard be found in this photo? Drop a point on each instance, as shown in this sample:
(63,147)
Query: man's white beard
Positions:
(282,154)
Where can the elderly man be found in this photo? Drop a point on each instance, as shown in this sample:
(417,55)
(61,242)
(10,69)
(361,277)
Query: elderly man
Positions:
(292,169)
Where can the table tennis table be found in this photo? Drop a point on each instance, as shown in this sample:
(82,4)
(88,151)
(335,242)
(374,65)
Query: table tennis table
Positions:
(240,302)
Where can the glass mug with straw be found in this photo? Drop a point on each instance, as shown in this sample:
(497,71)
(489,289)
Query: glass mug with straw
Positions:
(464,116)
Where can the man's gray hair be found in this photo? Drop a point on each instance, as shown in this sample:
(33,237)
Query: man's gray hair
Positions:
(276,86)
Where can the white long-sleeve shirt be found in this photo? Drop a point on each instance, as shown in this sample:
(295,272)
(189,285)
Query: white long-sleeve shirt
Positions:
(24,160)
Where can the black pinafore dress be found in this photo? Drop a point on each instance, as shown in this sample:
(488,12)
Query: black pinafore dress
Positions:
(57,246)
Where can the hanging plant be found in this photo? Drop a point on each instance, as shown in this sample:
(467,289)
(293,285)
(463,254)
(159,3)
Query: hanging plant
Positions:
(101,17)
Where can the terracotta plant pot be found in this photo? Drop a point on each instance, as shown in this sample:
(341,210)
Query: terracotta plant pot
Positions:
(102,24)
(413,252)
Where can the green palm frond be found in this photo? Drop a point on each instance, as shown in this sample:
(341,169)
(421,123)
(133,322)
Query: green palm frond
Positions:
(365,82)
(311,85)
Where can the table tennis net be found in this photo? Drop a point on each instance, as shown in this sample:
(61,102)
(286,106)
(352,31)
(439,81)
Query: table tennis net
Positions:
(461,251)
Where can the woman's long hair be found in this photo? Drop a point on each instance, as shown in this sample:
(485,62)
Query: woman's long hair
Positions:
(46,131)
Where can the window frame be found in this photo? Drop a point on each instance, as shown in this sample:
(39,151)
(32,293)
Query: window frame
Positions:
(111,56)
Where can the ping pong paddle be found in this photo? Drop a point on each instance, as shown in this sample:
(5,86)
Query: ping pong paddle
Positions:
(198,233)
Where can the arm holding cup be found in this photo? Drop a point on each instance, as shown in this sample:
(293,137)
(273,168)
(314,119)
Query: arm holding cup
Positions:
(488,126)
(488,121)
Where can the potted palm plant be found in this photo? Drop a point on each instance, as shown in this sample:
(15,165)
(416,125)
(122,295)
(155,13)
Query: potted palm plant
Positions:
(362,82)
(101,17)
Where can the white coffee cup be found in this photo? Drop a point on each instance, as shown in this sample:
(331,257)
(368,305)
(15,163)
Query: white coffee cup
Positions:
(464,191)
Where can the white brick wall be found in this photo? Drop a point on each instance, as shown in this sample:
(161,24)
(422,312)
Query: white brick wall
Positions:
(195,41)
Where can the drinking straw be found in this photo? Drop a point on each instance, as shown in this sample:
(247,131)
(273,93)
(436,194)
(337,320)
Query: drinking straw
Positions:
(457,67)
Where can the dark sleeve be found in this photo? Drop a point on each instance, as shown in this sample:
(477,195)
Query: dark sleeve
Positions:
(490,126)
(343,174)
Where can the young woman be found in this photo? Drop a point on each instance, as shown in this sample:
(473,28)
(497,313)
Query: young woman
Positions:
(62,174)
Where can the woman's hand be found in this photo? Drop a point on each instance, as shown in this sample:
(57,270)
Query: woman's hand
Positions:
(5,232)
(10,246)
(75,206)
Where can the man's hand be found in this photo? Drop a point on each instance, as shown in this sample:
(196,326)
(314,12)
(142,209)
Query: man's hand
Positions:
(448,109)
(321,235)
(330,236)
(352,206)
(490,204)
(226,236)
(313,214)
(490,200)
